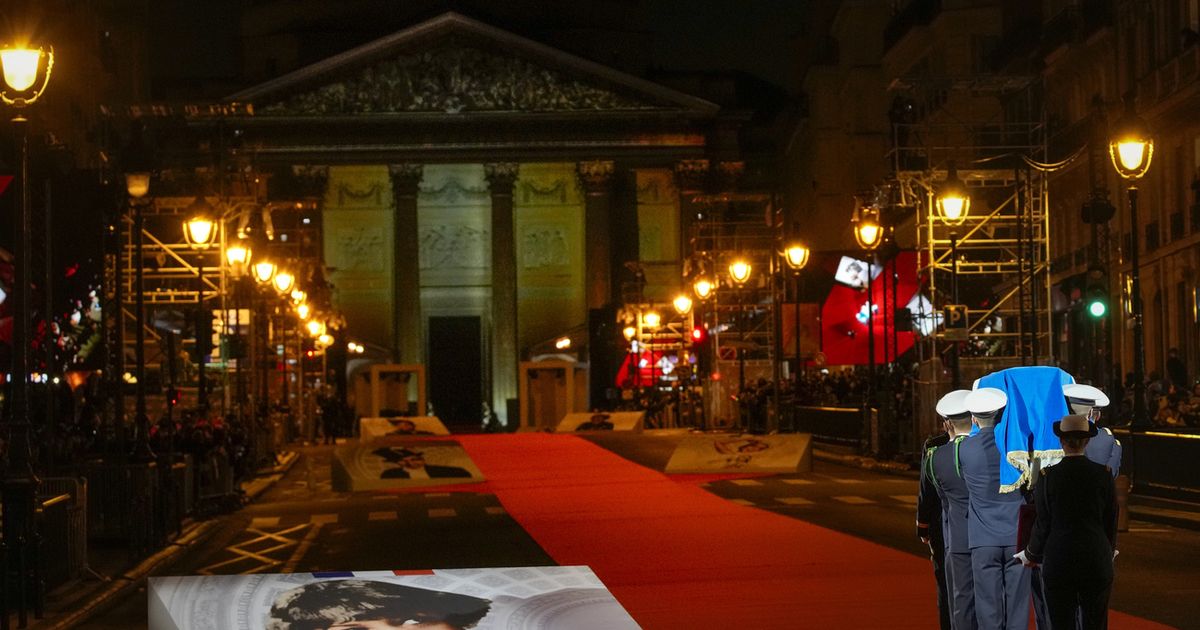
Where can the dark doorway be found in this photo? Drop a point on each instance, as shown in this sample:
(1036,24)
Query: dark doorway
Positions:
(455,371)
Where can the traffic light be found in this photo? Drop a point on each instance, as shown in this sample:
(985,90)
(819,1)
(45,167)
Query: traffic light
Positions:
(1095,295)
(172,397)
(703,351)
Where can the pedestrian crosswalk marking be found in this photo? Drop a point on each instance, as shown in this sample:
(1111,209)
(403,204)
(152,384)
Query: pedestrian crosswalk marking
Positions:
(906,498)
(494,509)
(798,482)
(259,522)
(746,482)
(382,516)
(852,500)
(323,519)
(794,501)
(742,502)
(840,480)
(431,495)
(442,512)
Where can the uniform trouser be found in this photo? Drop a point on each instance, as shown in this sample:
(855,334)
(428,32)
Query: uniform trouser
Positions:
(1001,589)
(962,591)
(937,554)
(1041,613)
(1067,598)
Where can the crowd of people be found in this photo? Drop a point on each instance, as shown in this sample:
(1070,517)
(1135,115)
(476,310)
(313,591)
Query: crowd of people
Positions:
(1047,538)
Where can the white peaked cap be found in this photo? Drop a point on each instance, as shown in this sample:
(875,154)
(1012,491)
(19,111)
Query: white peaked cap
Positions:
(986,400)
(953,404)
(1085,394)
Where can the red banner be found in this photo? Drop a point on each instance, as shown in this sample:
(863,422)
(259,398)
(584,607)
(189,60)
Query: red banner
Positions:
(5,180)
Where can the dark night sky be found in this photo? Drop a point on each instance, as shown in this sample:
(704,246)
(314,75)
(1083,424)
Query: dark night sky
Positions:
(203,40)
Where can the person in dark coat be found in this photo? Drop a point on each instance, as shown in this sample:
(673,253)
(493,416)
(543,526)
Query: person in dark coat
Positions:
(1104,448)
(929,526)
(946,473)
(1002,586)
(1074,535)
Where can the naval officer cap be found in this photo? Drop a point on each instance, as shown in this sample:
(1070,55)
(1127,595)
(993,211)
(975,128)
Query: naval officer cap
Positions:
(953,406)
(1079,394)
(985,402)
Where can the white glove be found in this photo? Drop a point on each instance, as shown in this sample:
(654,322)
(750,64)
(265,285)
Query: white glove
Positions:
(1025,561)
(1116,552)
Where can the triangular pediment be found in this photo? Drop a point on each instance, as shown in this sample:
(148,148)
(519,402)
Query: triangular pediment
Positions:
(455,65)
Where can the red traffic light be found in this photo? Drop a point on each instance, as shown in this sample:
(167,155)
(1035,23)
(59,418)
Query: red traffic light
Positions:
(699,334)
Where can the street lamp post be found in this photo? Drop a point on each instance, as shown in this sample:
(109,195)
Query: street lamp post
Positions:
(1131,149)
(953,206)
(796,256)
(21,69)
(868,231)
(199,231)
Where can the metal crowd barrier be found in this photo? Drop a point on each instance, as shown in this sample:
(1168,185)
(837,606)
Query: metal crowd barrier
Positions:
(65,529)
(836,425)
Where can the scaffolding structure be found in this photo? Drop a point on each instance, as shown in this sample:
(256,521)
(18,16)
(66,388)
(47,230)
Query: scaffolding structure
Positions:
(743,320)
(1002,271)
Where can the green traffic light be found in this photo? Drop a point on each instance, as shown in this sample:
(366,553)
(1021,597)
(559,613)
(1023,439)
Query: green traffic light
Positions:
(1097,308)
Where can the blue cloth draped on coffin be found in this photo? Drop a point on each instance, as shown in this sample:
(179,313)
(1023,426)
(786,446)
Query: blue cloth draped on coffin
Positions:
(1035,403)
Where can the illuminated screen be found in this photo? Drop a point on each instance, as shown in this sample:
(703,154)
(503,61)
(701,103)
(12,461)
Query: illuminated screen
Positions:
(853,272)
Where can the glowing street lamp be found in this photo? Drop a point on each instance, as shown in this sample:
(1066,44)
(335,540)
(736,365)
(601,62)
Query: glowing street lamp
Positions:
(315,328)
(652,319)
(237,256)
(1131,146)
(283,282)
(303,311)
(683,304)
(953,201)
(264,271)
(629,332)
(867,230)
(703,287)
(137,184)
(796,255)
(20,67)
(739,271)
(298,296)
(200,230)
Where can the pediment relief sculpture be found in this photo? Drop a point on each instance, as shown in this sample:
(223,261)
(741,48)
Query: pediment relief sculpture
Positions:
(454,78)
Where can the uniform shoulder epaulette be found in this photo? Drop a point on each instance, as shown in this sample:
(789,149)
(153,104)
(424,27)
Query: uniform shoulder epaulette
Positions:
(1107,430)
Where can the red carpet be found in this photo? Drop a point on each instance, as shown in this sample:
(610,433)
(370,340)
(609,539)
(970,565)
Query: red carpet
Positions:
(679,557)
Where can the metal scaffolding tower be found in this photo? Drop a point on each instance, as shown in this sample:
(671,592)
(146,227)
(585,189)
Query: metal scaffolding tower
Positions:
(1002,246)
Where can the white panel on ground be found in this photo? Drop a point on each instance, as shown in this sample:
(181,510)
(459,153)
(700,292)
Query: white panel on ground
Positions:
(542,598)
(391,462)
(371,428)
(601,421)
(732,452)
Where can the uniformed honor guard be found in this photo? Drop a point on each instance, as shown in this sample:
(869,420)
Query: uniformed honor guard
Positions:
(945,474)
(1074,536)
(930,528)
(1001,583)
(1104,449)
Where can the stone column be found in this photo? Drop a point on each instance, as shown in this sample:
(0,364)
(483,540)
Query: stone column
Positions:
(501,177)
(406,265)
(595,178)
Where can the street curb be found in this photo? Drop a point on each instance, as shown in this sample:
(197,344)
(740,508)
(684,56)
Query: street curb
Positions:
(1165,517)
(121,585)
(866,463)
(130,580)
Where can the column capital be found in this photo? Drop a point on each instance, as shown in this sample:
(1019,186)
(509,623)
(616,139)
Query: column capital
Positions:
(691,174)
(501,176)
(595,176)
(406,177)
